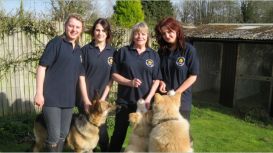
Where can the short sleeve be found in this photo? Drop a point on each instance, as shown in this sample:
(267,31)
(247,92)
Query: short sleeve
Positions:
(50,53)
(116,62)
(84,57)
(157,72)
(193,61)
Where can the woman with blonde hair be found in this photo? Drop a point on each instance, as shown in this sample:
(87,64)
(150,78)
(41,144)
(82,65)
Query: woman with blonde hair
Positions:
(136,70)
(57,75)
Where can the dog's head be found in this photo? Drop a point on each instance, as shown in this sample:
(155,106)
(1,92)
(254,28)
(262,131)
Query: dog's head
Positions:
(101,107)
(163,102)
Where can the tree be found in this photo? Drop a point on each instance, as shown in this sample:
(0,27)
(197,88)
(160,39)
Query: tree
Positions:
(128,13)
(156,10)
(257,11)
(62,8)
(208,11)
(247,10)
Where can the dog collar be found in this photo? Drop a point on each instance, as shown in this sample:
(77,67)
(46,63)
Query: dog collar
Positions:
(166,120)
(93,124)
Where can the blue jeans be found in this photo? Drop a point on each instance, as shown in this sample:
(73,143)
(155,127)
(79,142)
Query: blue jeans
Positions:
(58,122)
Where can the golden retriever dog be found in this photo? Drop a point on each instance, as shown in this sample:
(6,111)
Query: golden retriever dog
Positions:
(170,131)
(84,130)
(141,122)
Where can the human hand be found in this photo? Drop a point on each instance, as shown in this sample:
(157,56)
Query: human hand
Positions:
(87,106)
(39,100)
(162,87)
(136,82)
(147,103)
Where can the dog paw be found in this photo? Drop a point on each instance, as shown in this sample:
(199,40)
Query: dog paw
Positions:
(141,106)
(141,101)
(171,93)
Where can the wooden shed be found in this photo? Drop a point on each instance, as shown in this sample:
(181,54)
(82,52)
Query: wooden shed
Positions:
(235,62)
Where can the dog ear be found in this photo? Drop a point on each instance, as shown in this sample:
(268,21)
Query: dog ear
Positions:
(96,106)
(97,97)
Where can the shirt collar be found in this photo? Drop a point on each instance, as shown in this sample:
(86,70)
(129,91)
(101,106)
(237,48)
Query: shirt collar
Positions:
(131,47)
(66,41)
(92,44)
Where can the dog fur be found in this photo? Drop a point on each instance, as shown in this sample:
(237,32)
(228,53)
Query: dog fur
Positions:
(170,131)
(84,130)
(141,123)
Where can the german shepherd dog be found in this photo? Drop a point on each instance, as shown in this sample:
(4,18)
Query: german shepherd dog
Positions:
(84,130)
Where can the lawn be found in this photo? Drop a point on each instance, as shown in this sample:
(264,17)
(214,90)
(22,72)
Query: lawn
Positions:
(214,129)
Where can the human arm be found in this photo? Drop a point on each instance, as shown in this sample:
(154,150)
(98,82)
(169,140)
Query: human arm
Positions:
(86,100)
(151,93)
(40,77)
(126,82)
(186,84)
(162,86)
(106,90)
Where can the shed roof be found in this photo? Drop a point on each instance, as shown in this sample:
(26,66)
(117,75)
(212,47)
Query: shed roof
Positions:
(230,32)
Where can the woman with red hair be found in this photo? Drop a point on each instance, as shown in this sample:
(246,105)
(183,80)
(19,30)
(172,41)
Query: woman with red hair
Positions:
(178,62)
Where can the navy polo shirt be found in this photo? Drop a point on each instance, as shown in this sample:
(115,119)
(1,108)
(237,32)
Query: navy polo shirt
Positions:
(176,67)
(63,69)
(130,65)
(97,67)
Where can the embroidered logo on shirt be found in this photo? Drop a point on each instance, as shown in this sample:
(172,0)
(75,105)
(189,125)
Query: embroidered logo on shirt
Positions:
(150,62)
(110,60)
(180,61)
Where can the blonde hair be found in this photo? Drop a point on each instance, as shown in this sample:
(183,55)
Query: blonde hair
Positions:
(77,17)
(140,27)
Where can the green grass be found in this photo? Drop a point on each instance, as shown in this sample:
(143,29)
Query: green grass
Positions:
(214,129)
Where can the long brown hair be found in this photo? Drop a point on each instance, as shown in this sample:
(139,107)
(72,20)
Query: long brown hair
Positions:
(106,26)
(171,24)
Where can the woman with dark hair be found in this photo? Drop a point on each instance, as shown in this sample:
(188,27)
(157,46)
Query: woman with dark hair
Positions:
(97,59)
(57,75)
(178,62)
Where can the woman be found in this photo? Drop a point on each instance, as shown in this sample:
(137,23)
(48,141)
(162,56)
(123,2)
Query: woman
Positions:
(57,75)
(97,61)
(136,69)
(178,62)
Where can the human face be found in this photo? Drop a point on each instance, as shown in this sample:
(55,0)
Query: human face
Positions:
(100,34)
(73,29)
(169,35)
(140,38)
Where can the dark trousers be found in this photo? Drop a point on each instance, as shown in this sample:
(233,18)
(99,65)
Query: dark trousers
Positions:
(57,122)
(186,114)
(103,138)
(121,126)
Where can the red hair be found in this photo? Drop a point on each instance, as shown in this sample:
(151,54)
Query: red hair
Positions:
(171,24)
